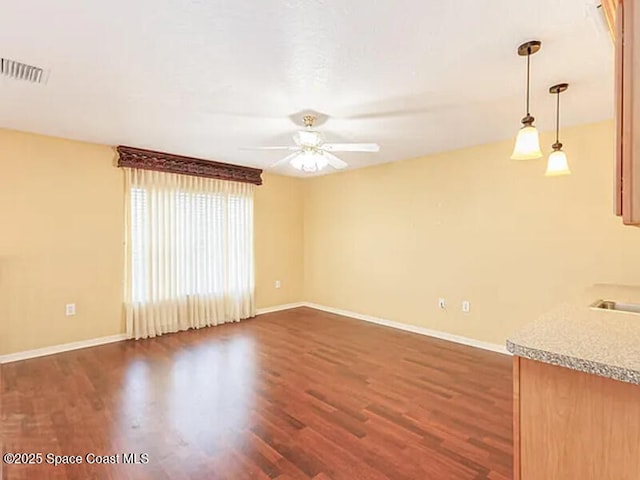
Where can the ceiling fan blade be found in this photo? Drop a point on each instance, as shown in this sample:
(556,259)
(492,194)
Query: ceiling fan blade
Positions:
(284,160)
(280,147)
(350,147)
(334,161)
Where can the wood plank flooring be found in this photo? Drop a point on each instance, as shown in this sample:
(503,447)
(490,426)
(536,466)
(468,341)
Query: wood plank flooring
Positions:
(299,394)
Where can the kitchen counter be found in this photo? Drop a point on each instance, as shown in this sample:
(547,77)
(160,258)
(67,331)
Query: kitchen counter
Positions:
(576,336)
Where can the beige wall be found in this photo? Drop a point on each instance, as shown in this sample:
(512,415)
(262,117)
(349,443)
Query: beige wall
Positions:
(469,224)
(278,240)
(61,215)
(61,241)
(385,241)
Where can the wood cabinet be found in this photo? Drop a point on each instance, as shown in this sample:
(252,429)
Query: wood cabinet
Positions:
(570,425)
(623,17)
(610,7)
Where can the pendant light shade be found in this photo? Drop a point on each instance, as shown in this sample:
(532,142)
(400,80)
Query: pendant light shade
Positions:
(527,145)
(557,164)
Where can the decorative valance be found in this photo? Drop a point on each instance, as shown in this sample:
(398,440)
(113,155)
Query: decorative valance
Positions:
(168,162)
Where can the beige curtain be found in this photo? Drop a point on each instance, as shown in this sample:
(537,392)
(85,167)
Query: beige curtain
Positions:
(189,252)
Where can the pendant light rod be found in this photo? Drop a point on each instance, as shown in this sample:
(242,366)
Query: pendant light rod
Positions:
(557,90)
(558,116)
(528,79)
(527,145)
(527,49)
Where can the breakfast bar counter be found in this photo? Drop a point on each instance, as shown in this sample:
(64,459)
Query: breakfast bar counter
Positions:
(579,336)
(576,386)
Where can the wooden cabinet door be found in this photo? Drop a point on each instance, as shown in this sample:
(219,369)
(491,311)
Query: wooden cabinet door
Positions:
(615,17)
(631,158)
(627,20)
(571,425)
(610,7)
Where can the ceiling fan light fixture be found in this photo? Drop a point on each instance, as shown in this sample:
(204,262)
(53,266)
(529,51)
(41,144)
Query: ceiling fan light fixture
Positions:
(311,153)
(308,138)
(309,161)
(527,145)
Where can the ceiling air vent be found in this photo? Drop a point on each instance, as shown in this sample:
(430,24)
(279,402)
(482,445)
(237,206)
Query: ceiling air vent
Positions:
(21,71)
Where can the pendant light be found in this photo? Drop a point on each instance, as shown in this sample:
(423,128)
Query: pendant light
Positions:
(557,164)
(528,142)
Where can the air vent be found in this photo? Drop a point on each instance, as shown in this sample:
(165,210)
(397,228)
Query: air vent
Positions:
(21,71)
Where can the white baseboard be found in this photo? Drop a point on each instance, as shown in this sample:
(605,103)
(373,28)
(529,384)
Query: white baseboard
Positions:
(279,308)
(41,352)
(414,329)
(66,347)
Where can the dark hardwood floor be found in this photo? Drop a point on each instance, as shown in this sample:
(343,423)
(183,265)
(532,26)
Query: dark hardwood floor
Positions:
(298,394)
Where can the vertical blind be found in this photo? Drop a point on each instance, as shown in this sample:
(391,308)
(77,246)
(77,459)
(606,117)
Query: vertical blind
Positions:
(189,252)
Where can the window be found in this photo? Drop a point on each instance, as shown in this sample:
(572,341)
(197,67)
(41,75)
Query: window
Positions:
(190,252)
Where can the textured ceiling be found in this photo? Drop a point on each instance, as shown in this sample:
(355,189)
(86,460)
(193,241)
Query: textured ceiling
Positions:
(205,77)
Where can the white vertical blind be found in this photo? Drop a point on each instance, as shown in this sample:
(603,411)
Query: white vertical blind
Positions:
(189,252)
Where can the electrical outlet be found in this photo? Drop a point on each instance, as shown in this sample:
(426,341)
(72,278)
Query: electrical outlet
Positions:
(442,303)
(466,306)
(278,284)
(70,309)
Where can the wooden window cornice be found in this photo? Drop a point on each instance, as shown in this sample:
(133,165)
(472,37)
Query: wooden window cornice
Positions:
(132,157)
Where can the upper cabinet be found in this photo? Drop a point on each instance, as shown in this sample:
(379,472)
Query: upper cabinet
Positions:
(610,7)
(623,17)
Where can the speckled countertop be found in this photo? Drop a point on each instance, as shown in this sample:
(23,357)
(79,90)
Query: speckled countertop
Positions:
(573,335)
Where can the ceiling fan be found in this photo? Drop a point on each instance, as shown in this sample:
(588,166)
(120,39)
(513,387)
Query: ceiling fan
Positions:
(311,153)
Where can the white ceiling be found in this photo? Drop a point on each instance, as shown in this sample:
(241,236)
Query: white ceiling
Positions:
(205,77)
